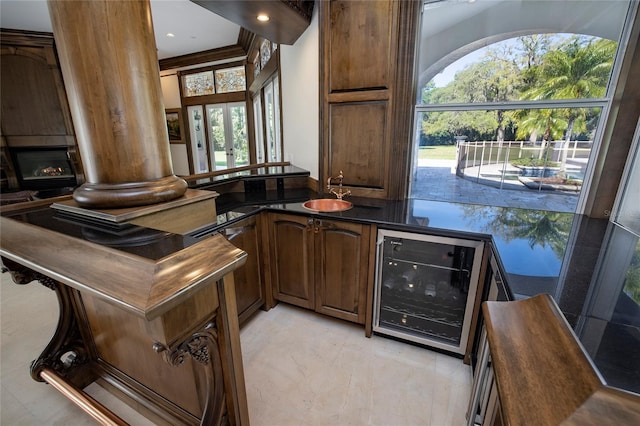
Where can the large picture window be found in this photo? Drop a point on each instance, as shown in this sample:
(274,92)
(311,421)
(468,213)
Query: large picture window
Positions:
(504,105)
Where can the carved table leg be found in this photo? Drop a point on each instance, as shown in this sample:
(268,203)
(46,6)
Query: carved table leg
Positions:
(66,349)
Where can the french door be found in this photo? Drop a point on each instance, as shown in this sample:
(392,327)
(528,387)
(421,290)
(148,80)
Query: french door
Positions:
(218,136)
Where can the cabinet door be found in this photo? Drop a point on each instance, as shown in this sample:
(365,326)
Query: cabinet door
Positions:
(359,59)
(34,106)
(359,143)
(367,55)
(292,256)
(248,281)
(342,264)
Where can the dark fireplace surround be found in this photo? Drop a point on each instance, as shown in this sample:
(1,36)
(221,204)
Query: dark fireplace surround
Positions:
(46,169)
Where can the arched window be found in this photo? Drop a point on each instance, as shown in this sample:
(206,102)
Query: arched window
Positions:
(512,95)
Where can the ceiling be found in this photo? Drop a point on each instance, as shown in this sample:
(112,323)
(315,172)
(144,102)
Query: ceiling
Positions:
(195,29)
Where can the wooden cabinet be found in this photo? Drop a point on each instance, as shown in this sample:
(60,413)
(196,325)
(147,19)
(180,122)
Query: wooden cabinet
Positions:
(34,109)
(321,264)
(342,260)
(360,59)
(250,292)
(366,64)
(292,259)
(34,104)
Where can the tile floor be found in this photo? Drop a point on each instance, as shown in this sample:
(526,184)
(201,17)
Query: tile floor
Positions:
(300,369)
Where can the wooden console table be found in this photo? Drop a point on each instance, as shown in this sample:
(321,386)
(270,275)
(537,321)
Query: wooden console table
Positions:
(148,314)
(541,375)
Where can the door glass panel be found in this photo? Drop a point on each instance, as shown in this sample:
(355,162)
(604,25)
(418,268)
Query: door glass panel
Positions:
(217,143)
(228,135)
(270,116)
(276,120)
(240,143)
(198,143)
(257,118)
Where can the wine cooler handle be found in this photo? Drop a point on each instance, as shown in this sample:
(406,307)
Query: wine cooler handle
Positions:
(378,280)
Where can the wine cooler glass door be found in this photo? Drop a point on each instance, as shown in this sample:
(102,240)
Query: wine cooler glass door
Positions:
(425,288)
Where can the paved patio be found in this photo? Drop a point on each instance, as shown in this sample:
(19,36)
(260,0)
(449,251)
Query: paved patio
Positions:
(436,180)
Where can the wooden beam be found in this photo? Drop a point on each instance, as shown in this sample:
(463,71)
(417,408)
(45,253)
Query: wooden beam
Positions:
(213,55)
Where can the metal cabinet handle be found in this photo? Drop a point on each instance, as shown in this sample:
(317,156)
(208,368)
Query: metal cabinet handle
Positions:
(232,232)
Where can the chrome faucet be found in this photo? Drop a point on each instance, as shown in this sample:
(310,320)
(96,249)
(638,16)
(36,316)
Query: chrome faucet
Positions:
(338,194)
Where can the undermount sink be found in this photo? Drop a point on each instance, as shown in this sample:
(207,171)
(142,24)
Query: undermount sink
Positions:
(327,205)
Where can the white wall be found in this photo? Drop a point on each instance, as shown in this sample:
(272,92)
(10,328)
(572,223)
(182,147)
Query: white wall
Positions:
(171,97)
(300,99)
(170,90)
(179,159)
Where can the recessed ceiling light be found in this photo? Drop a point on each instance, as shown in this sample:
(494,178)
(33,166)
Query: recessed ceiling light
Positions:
(171,35)
(263,18)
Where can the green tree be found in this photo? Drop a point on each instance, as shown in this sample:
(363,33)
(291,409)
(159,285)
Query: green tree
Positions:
(494,79)
(632,276)
(576,69)
(530,51)
(427,92)
(531,69)
(550,122)
(240,142)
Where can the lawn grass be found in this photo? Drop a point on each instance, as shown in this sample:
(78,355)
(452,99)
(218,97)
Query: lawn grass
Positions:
(437,152)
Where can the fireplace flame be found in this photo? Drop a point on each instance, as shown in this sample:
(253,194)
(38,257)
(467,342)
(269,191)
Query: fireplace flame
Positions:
(49,171)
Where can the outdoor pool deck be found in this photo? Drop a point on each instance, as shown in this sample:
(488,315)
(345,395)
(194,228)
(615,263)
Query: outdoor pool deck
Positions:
(436,180)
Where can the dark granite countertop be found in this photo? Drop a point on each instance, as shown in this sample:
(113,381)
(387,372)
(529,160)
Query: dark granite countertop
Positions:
(140,241)
(271,172)
(581,262)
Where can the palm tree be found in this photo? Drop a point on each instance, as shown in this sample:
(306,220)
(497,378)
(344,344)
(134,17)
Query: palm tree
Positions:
(575,70)
(549,122)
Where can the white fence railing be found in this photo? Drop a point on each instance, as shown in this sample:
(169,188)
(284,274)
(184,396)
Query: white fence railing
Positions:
(551,154)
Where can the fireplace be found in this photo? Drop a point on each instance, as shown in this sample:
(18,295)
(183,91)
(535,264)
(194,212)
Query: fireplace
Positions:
(43,168)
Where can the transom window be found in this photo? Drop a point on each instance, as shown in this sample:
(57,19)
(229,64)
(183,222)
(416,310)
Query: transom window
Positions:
(210,82)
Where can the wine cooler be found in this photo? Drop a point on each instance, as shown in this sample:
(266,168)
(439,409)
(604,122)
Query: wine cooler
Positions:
(425,288)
